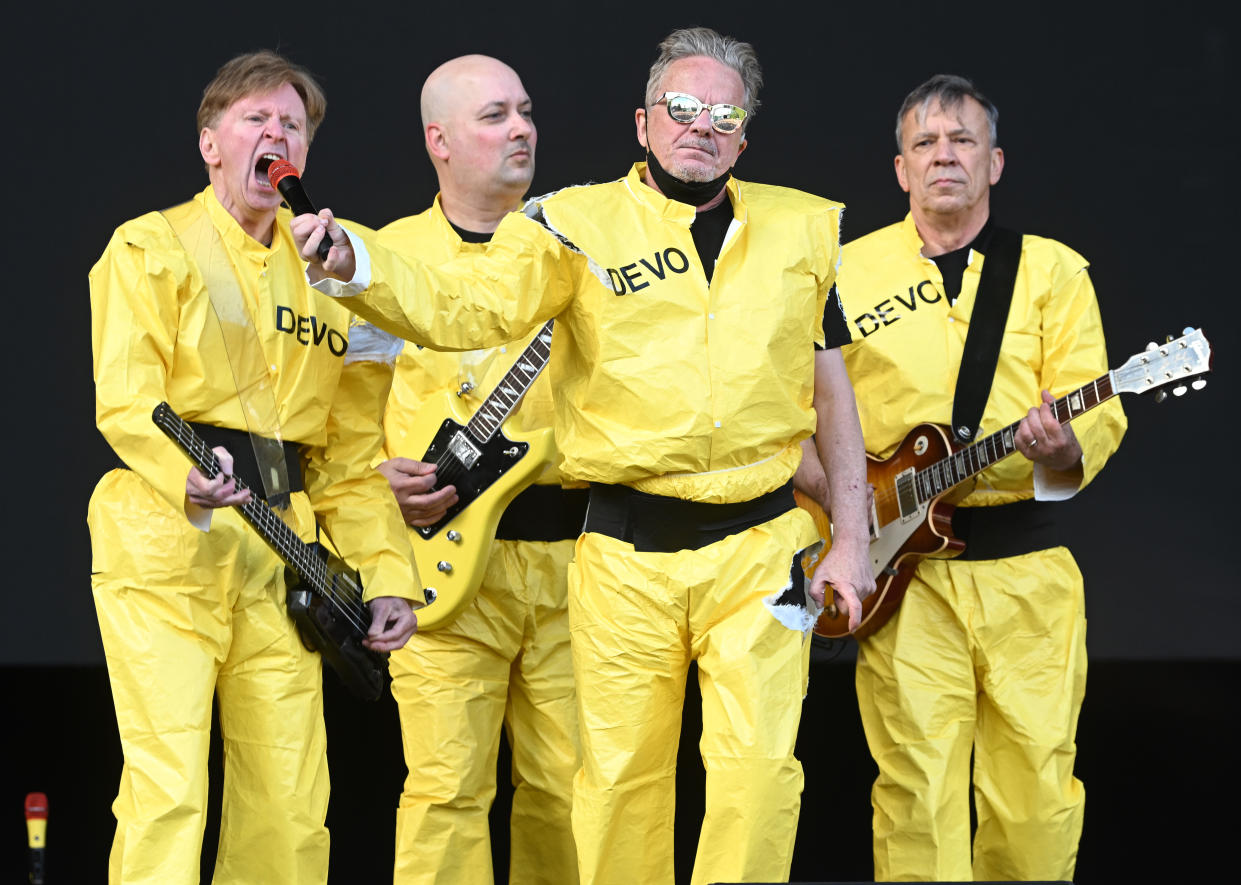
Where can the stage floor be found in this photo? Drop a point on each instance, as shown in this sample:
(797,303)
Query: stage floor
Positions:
(1156,751)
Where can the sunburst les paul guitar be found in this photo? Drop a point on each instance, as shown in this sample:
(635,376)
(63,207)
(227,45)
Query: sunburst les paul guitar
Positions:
(324,596)
(489,464)
(914,487)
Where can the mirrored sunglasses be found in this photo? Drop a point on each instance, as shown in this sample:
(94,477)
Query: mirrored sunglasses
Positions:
(725,118)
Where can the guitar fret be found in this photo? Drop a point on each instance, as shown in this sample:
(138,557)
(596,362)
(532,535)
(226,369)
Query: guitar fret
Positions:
(496,408)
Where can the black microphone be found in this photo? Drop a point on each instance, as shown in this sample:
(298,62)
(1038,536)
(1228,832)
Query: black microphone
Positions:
(285,178)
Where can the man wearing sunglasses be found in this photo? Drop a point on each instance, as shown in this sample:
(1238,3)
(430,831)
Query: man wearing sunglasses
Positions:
(696,347)
(503,663)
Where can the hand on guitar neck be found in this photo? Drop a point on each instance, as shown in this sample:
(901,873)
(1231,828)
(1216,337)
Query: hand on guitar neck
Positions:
(1042,438)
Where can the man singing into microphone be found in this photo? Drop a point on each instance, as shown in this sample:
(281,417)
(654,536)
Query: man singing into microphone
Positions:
(696,345)
(191,602)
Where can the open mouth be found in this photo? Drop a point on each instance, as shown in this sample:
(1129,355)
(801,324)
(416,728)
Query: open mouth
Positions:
(263,164)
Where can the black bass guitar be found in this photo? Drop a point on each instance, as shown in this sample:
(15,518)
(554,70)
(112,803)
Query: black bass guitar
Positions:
(324,595)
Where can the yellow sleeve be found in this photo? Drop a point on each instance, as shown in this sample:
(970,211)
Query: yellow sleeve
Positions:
(134,294)
(475,300)
(1074,354)
(350,497)
(828,243)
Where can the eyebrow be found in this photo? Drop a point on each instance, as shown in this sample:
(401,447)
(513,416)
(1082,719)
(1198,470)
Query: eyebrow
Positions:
(960,130)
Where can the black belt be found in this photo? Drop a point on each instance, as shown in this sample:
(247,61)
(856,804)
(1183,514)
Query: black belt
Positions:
(245,465)
(543,513)
(659,524)
(1006,530)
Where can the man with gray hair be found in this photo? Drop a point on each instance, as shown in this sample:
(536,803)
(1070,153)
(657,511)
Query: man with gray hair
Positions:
(986,654)
(696,347)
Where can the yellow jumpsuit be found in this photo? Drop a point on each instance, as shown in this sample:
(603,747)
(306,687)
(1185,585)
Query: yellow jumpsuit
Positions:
(682,389)
(504,662)
(983,656)
(187,612)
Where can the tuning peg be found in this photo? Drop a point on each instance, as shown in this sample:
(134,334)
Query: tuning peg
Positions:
(1161,395)
(1179,390)
(1188,330)
(1152,346)
(1199,384)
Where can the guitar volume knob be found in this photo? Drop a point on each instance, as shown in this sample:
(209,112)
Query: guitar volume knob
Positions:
(453,535)
(443,566)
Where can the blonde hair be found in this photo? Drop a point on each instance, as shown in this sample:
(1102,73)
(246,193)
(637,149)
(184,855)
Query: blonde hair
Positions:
(254,74)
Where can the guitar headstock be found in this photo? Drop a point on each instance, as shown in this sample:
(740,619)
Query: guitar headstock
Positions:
(1176,364)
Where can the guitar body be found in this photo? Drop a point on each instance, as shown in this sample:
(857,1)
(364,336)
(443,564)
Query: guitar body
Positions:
(328,628)
(451,555)
(903,531)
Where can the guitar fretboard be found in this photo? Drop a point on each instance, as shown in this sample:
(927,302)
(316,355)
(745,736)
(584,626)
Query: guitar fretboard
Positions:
(503,400)
(942,475)
(296,553)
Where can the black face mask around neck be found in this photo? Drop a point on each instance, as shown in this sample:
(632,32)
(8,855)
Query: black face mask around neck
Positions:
(696,193)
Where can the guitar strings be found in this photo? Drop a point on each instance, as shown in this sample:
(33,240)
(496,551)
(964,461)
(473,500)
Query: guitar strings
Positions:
(954,468)
(450,469)
(283,538)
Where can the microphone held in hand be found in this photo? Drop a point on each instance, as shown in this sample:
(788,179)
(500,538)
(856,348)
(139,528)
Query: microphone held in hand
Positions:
(285,178)
(36,834)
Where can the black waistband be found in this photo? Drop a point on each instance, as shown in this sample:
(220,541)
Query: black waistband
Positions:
(245,464)
(659,524)
(544,513)
(1006,530)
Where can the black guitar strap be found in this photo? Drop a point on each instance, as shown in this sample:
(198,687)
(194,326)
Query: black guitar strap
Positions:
(982,342)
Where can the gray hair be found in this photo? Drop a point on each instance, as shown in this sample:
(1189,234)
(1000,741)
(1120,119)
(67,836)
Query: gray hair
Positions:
(950,91)
(692,42)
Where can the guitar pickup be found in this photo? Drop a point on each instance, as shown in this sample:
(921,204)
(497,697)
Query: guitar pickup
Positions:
(463,449)
(906,495)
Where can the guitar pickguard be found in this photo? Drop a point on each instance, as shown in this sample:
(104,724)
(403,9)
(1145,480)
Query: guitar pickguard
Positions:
(472,467)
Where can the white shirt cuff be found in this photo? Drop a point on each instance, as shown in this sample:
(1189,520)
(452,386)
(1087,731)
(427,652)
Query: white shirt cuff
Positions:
(1056,485)
(361,275)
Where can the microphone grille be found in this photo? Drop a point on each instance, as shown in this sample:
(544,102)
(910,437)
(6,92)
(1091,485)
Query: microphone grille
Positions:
(280,169)
(36,805)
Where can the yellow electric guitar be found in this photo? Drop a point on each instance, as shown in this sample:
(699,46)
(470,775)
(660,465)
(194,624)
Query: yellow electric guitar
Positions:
(489,465)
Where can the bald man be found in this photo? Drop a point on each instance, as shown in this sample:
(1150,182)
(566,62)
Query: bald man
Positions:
(505,660)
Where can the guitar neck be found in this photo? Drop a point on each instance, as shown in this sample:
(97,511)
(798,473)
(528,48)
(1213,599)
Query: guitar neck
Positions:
(296,553)
(971,460)
(502,401)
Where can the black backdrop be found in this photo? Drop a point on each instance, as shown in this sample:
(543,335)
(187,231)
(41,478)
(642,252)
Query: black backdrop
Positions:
(1121,138)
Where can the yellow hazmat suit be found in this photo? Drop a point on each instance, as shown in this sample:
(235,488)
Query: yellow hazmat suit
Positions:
(187,611)
(504,662)
(983,656)
(687,392)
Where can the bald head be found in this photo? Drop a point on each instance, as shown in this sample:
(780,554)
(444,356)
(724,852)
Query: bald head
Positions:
(448,85)
(480,134)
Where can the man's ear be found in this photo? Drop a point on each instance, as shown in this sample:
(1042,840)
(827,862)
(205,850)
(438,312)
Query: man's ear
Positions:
(900,173)
(639,120)
(207,147)
(437,141)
